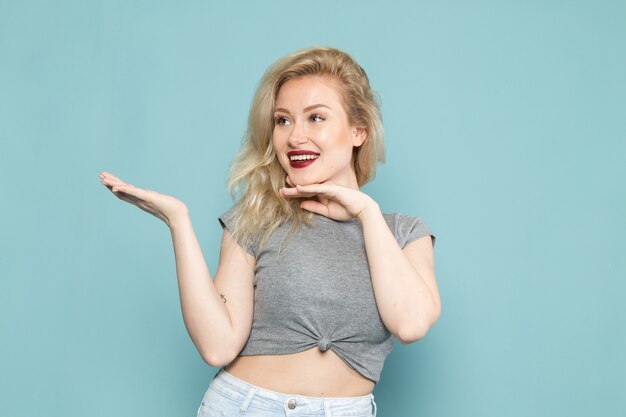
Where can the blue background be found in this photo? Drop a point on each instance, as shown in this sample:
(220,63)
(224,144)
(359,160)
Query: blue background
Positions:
(505,128)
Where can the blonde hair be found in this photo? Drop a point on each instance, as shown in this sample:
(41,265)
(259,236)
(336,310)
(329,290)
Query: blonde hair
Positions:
(256,174)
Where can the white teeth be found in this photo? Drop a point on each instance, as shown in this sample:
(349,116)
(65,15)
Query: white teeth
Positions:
(302,157)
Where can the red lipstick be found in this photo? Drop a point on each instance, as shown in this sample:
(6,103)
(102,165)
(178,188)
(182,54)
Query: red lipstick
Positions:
(302,158)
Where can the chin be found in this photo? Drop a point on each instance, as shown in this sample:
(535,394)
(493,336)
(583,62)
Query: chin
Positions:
(306,181)
(300,179)
(301,182)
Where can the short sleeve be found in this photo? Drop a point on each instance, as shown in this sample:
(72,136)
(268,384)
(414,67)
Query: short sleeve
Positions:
(226,220)
(407,228)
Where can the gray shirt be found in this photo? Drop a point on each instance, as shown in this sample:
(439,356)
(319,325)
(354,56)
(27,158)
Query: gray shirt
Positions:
(318,292)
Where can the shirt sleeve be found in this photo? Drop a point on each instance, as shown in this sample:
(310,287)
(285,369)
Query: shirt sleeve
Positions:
(226,220)
(407,228)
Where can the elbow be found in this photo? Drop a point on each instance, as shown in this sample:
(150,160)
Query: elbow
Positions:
(217,359)
(417,329)
(410,334)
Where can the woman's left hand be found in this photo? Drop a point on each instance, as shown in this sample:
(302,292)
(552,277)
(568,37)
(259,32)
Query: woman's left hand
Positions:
(333,201)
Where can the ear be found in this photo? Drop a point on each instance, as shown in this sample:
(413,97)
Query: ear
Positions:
(359,134)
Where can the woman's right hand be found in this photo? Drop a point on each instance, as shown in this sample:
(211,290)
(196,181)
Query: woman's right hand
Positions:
(162,206)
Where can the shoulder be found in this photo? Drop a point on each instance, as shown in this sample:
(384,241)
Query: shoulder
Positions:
(228,217)
(407,228)
(229,221)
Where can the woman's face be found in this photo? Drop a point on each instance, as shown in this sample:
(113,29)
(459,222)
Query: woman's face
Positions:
(312,137)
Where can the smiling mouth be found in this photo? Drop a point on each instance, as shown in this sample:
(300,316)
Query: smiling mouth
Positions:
(302,159)
(305,157)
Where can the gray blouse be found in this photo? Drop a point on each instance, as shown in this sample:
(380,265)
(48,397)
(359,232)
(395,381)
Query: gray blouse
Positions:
(317,291)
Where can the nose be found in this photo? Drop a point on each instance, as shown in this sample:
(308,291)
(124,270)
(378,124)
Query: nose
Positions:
(298,135)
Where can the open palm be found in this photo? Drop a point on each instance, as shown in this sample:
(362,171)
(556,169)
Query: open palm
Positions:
(162,206)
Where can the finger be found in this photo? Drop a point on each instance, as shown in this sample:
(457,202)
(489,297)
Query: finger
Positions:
(293,192)
(126,197)
(313,189)
(329,190)
(130,190)
(323,200)
(130,198)
(112,181)
(315,207)
(108,175)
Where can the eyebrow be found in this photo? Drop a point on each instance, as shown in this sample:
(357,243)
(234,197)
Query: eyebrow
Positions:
(311,107)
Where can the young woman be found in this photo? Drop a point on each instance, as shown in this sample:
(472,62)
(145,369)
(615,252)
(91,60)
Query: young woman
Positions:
(314,282)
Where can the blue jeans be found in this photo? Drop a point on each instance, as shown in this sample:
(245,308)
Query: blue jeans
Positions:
(230,396)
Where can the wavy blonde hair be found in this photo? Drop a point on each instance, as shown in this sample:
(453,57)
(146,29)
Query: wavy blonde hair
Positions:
(256,174)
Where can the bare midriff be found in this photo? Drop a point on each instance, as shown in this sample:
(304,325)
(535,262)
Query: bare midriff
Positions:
(312,373)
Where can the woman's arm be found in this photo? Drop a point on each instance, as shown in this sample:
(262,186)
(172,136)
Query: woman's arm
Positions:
(403,280)
(219,330)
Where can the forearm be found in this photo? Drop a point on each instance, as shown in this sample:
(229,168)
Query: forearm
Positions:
(204,313)
(405,302)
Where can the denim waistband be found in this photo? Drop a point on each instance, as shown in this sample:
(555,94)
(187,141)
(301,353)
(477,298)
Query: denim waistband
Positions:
(248,394)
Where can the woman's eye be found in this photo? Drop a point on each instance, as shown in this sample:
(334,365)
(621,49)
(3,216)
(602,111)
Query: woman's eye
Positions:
(317,118)
(280,120)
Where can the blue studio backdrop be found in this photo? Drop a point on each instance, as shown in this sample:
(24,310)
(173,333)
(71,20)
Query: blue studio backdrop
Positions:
(505,131)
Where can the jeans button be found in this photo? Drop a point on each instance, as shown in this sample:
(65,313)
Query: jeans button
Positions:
(291,404)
